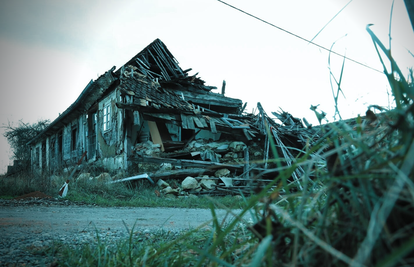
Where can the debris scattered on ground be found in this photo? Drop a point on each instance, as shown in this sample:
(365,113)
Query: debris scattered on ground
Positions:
(227,166)
(36,194)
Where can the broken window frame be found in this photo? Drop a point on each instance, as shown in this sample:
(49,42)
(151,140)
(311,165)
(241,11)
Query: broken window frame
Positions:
(106,117)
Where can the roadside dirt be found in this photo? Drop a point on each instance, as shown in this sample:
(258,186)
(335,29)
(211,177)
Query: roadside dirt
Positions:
(36,194)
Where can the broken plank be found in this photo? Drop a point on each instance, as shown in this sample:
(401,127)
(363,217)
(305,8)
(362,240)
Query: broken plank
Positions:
(203,121)
(155,134)
(183,173)
(251,133)
(184,163)
(177,155)
(190,122)
(198,122)
(213,125)
(173,145)
(184,121)
(133,178)
(247,134)
(142,63)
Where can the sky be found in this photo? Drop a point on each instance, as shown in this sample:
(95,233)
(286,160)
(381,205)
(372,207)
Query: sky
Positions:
(50,50)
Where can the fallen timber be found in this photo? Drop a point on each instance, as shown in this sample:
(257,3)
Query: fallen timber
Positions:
(199,167)
(247,175)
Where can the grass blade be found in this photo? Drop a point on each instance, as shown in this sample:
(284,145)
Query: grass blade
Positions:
(261,251)
(398,254)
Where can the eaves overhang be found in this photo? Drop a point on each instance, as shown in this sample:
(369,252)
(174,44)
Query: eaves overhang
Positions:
(92,92)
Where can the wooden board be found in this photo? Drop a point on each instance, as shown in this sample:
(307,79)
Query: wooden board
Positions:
(155,134)
(203,121)
(180,174)
(190,122)
(247,134)
(184,121)
(213,125)
(198,122)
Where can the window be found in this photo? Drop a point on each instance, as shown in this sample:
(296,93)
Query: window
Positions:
(85,127)
(52,147)
(74,135)
(37,156)
(107,117)
(92,119)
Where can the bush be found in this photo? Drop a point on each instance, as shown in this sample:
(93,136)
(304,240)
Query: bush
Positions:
(19,136)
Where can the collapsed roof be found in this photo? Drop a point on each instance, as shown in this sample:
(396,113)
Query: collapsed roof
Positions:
(158,64)
(154,65)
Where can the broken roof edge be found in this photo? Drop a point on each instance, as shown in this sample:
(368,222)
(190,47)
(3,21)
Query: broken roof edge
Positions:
(170,72)
(132,60)
(222,99)
(90,87)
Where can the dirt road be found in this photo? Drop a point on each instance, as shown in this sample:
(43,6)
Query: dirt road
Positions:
(77,218)
(31,225)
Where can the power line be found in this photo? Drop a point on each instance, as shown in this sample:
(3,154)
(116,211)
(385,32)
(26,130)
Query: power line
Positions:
(331,20)
(297,36)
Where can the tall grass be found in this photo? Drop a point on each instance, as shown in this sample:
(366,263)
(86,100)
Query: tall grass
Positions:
(108,195)
(138,195)
(23,183)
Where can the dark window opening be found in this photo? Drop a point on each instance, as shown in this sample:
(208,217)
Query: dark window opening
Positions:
(52,148)
(37,156)
(59,149)
(74,139)
(44,155)
(186,134)
(92,121)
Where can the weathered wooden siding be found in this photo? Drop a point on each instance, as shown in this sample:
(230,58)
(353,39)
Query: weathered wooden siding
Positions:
(111,141)
(52,153)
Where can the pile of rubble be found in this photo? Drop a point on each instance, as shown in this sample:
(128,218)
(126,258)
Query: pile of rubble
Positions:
(220,182)
(216,168)
(201,185)
(227,166)
(232,152)
(219,167)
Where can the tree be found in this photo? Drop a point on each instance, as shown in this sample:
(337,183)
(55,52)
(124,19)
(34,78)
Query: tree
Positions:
(18,137)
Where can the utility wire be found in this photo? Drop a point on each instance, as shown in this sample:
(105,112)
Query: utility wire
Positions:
(297,36)
(330,20)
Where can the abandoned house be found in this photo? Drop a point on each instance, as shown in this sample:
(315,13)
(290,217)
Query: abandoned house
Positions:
(151,111)
(148,98)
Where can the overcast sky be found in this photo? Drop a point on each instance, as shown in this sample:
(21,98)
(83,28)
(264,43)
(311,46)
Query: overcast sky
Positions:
(50,50)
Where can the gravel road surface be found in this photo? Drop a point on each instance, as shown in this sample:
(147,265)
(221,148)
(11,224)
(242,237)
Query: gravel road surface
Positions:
(30,225)
(55,219)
